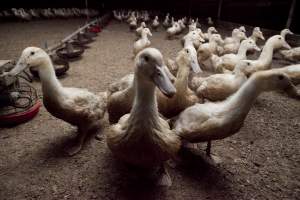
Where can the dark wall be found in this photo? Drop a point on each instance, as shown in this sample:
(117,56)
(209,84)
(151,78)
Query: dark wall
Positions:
(264,13)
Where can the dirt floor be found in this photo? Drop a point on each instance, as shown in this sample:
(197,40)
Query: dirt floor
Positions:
(262,161)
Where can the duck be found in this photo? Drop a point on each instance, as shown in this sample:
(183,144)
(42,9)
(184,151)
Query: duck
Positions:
(257,34)
(155,23)
(232,44)
(265,59)
(218,120)
(285,32)
(206,50)
(133,23)
(166,23)
(211,30)
(140,29)
(76,106)
(143,42)
(210,21)
(194,37)
(120,96)
(292,55)
(242,28)
(218,87)
(229,61)
(142,138)
(186,61)
(173,30)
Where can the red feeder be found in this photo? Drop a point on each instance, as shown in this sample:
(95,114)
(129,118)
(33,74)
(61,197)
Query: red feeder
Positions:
(20,117)
(95,29)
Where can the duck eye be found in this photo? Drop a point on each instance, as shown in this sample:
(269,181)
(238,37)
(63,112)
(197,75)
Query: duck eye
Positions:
(279,38)
(32,53)
(280,77)
(248,63)
(146,58)
(187,51)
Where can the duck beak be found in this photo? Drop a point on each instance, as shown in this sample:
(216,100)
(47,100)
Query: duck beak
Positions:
(169,74)
(286,45)
(163,82)
(262,37)
(19,67)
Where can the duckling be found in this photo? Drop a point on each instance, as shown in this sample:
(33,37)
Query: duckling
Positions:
(209,33)
(229,61)
(155,23)
(78,107)
(231,45)
(265,59)
(186,60)
(292,55)
(218,87)
(142,138)
(215,121)
(143,42)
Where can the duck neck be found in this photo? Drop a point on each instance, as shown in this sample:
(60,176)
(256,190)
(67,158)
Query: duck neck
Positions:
(244,98)
(253,37)
(242,52)
(50,83)
(181,82)
(267,53)
(145,103)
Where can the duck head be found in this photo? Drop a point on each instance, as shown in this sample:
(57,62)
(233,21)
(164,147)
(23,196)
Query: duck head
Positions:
(279,42)
(286,31)
(212,30)
(150,67)
(30,57)
(250,44)
(217,38)
(257,33)
(188,55)
(273,80)
(243,29)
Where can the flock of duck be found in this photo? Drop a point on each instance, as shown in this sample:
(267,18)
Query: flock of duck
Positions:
(48,13)
(203,95)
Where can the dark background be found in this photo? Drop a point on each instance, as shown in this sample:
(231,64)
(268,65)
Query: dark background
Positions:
(270,14)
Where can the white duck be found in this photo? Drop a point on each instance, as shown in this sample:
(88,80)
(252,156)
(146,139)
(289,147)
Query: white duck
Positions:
(78,107)
(155,23)
(142,138)
(140,29)
(229,61)
(173,30)
(291,54)
(143,42)
(166,23)
(215,121)
(257,34)
(211,30)
(265,59)
(206,50)
(193,37)
(218,87)
(232,44)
